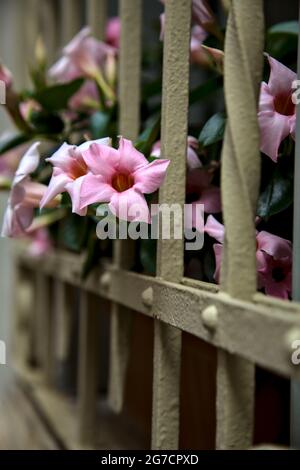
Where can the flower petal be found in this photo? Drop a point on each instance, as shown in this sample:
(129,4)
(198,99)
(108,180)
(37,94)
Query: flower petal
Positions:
(74,190)
(274,127)
(149,178)
(274,246)
(62,158)
(56,186)
(130,158)
(28,163)
(88,143)
(102,160)
(130,205)
(214,229)
(281,78)
(94,190)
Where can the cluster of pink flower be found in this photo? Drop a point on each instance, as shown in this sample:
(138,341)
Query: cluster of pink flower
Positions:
(93,172)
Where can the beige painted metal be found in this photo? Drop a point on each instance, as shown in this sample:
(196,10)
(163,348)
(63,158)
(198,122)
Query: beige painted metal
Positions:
(71,20)
(240,186)
(42,319)
(96,16)
(241,324)
(88,366)
(63,320)
(167,340)
(32,29)
(49,28)
(129,116)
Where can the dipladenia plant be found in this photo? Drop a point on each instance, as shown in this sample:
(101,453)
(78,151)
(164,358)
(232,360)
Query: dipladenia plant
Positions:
(66,159)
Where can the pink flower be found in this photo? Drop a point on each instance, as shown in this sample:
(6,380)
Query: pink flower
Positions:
(192,158)
(25,196)
(41,243)
(273,257)
(199,190)
(113,31)
(121,178)
(203,55)
(277,113)
(69,169)
(6,76)
(216,230)
(201,12)
(82,57)
(274,260)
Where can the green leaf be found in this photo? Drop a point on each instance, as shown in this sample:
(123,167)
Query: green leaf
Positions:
(73,232)
(10,142)
(56,97)
(282,38)
(213,130)
(99,124)
(277,195)
(287,27)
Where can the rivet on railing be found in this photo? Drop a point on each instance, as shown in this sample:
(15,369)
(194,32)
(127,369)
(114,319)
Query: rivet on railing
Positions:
(147,297)
(105,280)
(210,317)
(290,338)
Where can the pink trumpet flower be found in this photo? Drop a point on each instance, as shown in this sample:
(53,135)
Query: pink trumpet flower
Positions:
(277,112)
(82,57)
(273,257)
(121,178)
(274,261)
(113,31)
(25,196)
(69,170)
(192,158)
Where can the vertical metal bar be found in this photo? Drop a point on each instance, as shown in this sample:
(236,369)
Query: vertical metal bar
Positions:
(129,121)
(70,19)
(31,29)
(88,365)
(42,327)
(240,186)
(295,385)
(49,28)
(63,318)
(167,340)
(96,16)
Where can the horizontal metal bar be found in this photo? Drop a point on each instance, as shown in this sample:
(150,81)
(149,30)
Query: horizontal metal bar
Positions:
(261,331)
